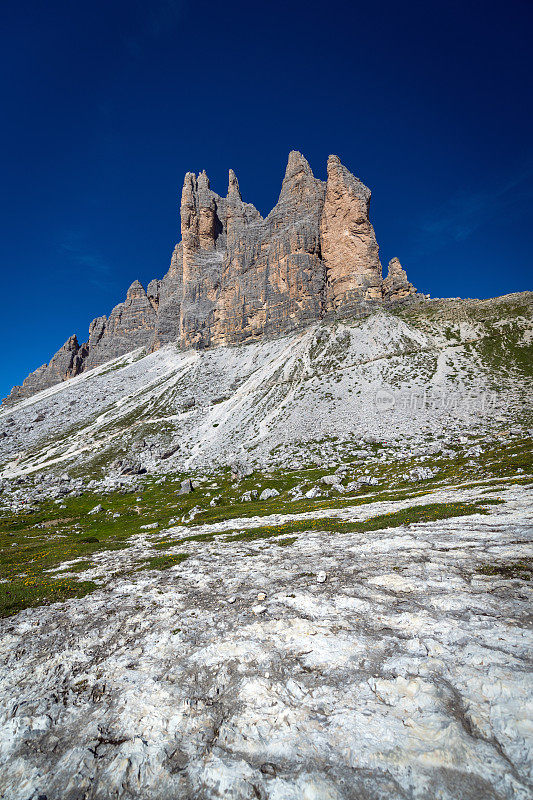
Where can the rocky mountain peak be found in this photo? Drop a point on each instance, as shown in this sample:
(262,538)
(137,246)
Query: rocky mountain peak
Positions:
(396,285)
(236,276)
(234,191)
(350,251)
(136,291)
(341,180)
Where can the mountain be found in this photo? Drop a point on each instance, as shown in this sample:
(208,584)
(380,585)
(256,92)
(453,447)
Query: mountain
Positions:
(267,534)
(295,567)
(236,276)
(403,372)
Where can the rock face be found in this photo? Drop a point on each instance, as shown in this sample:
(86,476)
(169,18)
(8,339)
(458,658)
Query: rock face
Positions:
(67,362)
(349,248)
(236,276)
(396,285)
(243,275)
(131,324)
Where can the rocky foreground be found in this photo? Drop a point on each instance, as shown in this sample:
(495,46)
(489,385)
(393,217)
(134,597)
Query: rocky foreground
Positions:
(294,568)
(392,663)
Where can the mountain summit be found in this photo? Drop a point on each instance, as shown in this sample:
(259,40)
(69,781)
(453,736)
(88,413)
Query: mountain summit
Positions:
(236,276)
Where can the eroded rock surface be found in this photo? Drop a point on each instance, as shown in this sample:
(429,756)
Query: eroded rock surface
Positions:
(378,665)
(396,285)
(235,275)
(67,362)
(130,325)
(349,248)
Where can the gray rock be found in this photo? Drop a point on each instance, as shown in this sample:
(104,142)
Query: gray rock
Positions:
(267,494)
(235,275)
(421,474)
(186,486)
(396,285)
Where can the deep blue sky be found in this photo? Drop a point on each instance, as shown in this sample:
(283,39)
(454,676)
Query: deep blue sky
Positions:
(107,104)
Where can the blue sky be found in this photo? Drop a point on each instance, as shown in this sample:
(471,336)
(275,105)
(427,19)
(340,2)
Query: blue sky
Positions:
(107,104)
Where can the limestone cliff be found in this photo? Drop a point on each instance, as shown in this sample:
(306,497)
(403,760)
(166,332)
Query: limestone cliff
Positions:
(396,285)
(236,275)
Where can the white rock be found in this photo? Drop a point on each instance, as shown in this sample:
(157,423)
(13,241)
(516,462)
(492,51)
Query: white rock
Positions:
(266,494)
(321,577)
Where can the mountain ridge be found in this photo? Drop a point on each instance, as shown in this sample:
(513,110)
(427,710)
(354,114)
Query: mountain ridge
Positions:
(236,276)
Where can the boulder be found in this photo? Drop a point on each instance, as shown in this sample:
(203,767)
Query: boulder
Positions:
(267,494)
(186,486)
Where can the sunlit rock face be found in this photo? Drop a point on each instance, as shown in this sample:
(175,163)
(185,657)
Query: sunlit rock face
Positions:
(348,243)
(236,275)
(244,275)
(396,285)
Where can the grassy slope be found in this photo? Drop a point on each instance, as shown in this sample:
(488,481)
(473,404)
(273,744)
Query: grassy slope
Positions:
(33,544)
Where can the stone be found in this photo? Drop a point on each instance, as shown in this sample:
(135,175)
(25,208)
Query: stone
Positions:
(97,509)
(186,486)
(321,577)
(396,286)
(421,474)
(368,481)
(330,479)
(349,248)
(352,486)
(267,494)
(236,276)
(314,492)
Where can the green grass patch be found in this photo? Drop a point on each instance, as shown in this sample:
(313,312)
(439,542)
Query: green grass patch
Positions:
(407,516)
(287,541)
(514,569)
(33,544)
(163,562)
(34,590)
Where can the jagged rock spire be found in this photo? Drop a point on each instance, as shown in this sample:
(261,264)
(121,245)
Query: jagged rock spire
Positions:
(396,285)
(348,243)
(136,291)
(203,181)
(298,175)
(236,275)
(234,191)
